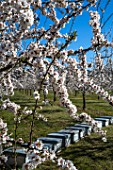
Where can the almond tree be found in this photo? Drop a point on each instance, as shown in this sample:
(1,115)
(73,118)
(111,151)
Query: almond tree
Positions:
(21,22)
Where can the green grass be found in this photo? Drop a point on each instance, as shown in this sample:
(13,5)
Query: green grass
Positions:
(88,154)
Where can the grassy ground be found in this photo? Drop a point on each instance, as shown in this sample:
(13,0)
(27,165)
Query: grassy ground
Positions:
(88,154)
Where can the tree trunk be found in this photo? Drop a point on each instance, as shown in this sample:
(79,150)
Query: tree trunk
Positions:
(75,93)
(84,99)
(30,92)
(54,93)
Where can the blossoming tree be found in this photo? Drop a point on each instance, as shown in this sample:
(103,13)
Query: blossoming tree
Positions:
(46,58)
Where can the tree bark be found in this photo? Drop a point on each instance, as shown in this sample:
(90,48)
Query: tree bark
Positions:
(84,99)
(54,93)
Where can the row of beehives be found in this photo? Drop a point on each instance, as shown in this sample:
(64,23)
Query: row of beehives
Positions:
(63,138)
(57,140)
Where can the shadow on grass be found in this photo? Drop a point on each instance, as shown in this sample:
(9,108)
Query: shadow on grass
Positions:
(49,111)
(92,148)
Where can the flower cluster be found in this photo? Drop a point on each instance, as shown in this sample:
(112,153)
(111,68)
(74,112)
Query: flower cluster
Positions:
(36,95)
(99,39)
(99,62)
(41,117)
(66,164)
(93,2)
(94,22)
(95,127)
(11,106)
(26,111)
(3,132)
(4,138)
(34,160)
(62,92)
(37,155)
(37,145)
(101,92)
(7,86)
(83,68)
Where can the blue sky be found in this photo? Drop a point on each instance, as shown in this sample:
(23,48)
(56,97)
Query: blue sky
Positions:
(84,30)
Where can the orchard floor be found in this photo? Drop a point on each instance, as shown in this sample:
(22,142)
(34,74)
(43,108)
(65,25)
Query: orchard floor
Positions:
(89,153)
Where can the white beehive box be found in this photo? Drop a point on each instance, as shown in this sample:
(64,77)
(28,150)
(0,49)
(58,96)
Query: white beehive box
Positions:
(22,156)
(81,131)
(85,123)
(74,134)
(80,126)
(66,138)
(49,147)
(105,122)
(51,143)
(108,117)
(88,128)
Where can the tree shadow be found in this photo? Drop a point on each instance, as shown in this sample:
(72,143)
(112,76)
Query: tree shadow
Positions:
(93,148)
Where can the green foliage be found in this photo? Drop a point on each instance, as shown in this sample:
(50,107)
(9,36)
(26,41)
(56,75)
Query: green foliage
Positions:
(73,35)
